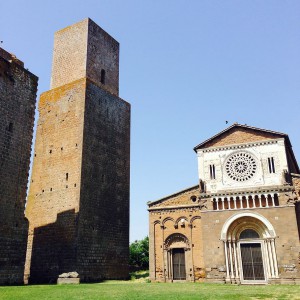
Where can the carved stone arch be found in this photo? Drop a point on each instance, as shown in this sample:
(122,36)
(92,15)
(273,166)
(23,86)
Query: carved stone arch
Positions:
(167,219)
(156,222)
(194,218)
(234,225)
(177,240)
(179,219)
(237,228)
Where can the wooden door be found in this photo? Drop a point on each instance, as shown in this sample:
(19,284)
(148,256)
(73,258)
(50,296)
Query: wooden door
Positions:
(178,255)
(252,262)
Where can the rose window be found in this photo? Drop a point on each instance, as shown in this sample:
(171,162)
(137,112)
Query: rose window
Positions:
(241,166)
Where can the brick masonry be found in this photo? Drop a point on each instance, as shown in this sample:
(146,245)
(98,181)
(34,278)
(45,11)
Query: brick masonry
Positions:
(191,213)
(78,204)
(18,89)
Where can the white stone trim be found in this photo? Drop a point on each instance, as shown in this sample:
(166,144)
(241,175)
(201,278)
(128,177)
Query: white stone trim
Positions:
(255,215)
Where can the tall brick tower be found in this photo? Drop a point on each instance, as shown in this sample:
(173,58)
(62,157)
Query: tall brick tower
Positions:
(78,204)
(18,89)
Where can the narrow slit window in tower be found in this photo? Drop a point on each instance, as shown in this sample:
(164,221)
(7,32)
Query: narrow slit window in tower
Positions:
(102,76)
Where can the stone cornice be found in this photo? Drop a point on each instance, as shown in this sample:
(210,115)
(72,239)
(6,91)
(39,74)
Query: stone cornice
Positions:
(174,207)
(261,190)
(240,146)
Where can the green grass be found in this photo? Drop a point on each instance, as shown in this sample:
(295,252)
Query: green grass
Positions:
(143,291)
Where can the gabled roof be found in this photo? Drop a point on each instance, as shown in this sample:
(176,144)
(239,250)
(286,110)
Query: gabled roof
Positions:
(261,132)
(237,125)
(151,203)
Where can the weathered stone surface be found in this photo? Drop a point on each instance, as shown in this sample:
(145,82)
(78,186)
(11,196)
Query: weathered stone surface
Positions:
(69,275)
(68,280)
(78,204)
(18,89)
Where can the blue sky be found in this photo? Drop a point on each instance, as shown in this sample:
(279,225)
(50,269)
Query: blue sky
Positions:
(186,67)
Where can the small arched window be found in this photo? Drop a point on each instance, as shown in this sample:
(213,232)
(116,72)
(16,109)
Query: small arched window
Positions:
(249,234)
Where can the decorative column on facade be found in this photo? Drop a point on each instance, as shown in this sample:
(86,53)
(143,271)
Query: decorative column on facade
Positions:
(271,258)
(267,258)
(222,199)
(163,251)
(267,202)
(235,261)
(191,243)
(226,261)
(241,202)
(274,257)
(228,202)
(259,198)
(247,199)
(231,259)
(273,201)
(152,251)
(234,202)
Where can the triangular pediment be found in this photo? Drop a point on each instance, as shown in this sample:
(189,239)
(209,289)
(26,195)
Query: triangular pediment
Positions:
(239,134)
(185,197)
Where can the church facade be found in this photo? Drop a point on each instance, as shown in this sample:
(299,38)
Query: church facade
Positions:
(241,223)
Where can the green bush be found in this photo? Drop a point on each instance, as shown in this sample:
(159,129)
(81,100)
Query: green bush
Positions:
(139,254)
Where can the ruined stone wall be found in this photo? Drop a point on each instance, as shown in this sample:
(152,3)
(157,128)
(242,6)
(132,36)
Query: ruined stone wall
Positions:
(18,89)
(104,201)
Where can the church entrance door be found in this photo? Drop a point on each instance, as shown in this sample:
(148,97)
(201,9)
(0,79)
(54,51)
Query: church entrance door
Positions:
(252,262)
(178,257)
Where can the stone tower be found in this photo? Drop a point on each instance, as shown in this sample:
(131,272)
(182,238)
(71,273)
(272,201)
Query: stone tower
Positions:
(18,89)
(78,204)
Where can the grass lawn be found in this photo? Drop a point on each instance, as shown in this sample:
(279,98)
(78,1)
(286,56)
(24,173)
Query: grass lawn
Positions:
(143,291)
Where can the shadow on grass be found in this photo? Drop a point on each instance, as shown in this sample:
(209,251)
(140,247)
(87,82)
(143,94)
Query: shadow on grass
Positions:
(139,274)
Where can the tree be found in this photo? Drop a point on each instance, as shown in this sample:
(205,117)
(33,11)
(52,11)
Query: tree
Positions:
(139,254)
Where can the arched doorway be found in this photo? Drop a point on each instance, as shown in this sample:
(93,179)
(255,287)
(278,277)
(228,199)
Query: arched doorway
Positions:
(177,256)
(249,247)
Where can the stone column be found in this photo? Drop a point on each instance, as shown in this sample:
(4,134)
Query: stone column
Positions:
(274,258)
(259,198)
(152,262)
(267,258)
(222,199)
(267,202)
(271,259)
(273,202)
(247,199)
(241,202)
(231,263)
(226,261)
(163,252)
